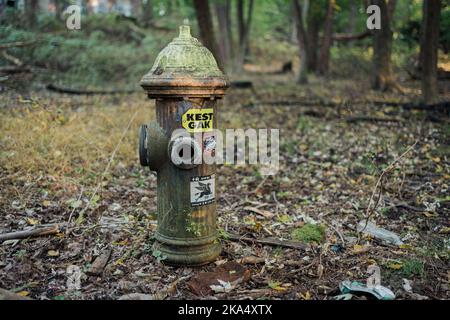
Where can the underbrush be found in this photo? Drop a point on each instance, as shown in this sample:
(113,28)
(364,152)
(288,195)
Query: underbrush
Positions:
(108,49)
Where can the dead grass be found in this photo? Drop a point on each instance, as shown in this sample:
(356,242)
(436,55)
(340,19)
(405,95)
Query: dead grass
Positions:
(71,146)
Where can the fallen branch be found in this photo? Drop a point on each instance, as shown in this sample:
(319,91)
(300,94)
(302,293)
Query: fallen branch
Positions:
(14,69)
(35,232)
(54,88)
(441,106)
(372,119)
(350,37)
(16,44)
(12,59)
(241,84)
(291,103)
(268,241)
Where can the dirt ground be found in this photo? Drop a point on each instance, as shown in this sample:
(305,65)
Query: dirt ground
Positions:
(72,160)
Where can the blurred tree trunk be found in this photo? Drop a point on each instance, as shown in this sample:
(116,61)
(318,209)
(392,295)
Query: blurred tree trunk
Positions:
(302,42)
(429,42)
(351,27)
(31,8)
(223,11)
(89,7)
(313,23)
(382,78)
(324,56)
(136,8)
(244,25)
(60,5)
(314,15)
(147,13)
(205,26)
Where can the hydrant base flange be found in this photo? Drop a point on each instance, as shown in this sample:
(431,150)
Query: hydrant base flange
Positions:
(187,253)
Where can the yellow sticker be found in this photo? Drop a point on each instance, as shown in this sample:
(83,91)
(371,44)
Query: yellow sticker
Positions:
(198,120)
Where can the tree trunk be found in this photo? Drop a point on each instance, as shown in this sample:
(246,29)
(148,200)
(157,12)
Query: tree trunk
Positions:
(206,28)
(327,40)
(244,32)
(136,8)
(223,10)
(147,13)
(31,8)
(89,7)
(429,49)
(60,6)
(302,42)
(351,27)
(382,78)
(312,36)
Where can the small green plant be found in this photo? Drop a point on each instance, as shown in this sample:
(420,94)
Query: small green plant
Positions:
(304,123)
(278,251)
(195,228)
(223,234)
(158,255)
(413,267)
(385,211)
(309,233)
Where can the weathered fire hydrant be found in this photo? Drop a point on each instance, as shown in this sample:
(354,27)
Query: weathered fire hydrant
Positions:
(186,83)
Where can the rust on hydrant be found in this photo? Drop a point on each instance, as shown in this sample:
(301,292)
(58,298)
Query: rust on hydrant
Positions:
(186,82)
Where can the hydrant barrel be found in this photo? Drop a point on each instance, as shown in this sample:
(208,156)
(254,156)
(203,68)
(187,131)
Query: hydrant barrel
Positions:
(186,83)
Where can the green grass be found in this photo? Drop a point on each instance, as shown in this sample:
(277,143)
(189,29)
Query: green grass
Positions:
(309,233)
(413,267)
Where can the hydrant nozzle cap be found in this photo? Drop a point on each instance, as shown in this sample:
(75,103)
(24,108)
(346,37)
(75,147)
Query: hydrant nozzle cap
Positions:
(185,68)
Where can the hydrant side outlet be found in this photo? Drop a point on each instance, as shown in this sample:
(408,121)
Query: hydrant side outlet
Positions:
(186,83)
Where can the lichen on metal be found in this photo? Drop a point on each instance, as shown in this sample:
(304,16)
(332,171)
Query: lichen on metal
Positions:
(186,63)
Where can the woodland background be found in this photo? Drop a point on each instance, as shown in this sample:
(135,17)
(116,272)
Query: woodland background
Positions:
(364,119)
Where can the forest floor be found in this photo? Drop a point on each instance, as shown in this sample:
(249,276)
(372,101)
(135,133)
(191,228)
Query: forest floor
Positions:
(72,160)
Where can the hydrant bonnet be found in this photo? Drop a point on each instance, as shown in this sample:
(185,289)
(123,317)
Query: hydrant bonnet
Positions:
(185,68)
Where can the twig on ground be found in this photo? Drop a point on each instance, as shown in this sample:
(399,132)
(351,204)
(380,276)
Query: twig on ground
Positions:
(371,209)
(268,241)
(73,210)
(12,59)
(16,44)
(35,232)
(111,159)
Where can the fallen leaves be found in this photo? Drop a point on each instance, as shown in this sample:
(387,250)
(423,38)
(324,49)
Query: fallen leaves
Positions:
(53,253)
(358,249)
(395,265)
(230,275)
(276,286)
(100,263)
(264,213)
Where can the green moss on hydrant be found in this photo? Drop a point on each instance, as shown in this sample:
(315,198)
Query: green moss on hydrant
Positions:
(309,233)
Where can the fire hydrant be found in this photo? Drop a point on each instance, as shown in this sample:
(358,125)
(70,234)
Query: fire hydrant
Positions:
(186,82)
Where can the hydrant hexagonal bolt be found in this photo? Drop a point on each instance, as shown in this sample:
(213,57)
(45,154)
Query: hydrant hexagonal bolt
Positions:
(186,83)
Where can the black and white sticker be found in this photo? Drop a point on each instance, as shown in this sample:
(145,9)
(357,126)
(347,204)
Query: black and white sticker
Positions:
(203,190)
(209,145)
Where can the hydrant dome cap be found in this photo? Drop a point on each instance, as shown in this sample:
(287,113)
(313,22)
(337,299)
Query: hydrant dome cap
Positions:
(185,67)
